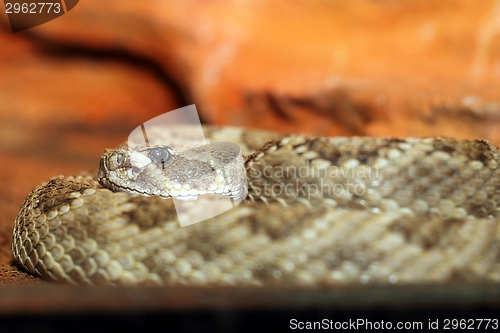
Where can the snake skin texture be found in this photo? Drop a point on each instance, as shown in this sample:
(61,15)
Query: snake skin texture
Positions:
(319,212)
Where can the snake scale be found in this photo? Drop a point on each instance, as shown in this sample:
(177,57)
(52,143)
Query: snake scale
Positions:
(320,211)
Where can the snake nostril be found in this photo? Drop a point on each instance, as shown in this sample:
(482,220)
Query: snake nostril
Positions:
(119,159)
(114,161)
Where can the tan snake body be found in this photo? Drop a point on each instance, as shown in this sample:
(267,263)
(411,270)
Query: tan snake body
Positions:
(363,211)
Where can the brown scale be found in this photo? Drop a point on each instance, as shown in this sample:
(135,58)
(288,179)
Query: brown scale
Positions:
(432,248)
(150,212)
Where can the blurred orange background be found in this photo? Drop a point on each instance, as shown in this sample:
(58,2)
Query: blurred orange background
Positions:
(79,84)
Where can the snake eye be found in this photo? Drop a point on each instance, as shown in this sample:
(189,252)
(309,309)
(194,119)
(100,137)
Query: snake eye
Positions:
(159,155)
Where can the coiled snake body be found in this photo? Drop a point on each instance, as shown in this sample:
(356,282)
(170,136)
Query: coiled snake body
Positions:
(319,212)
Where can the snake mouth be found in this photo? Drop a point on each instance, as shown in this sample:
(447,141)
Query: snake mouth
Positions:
(172,190)
(176,195)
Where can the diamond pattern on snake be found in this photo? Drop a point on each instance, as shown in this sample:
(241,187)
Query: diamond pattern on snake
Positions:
(320,211)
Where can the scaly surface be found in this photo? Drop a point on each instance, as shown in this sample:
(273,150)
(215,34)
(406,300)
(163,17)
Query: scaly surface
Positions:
(320,211)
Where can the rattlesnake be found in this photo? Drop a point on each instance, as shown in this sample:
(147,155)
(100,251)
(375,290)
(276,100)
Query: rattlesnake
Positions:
(364,211)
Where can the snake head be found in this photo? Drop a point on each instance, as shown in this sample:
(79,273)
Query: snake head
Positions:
(183,173)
